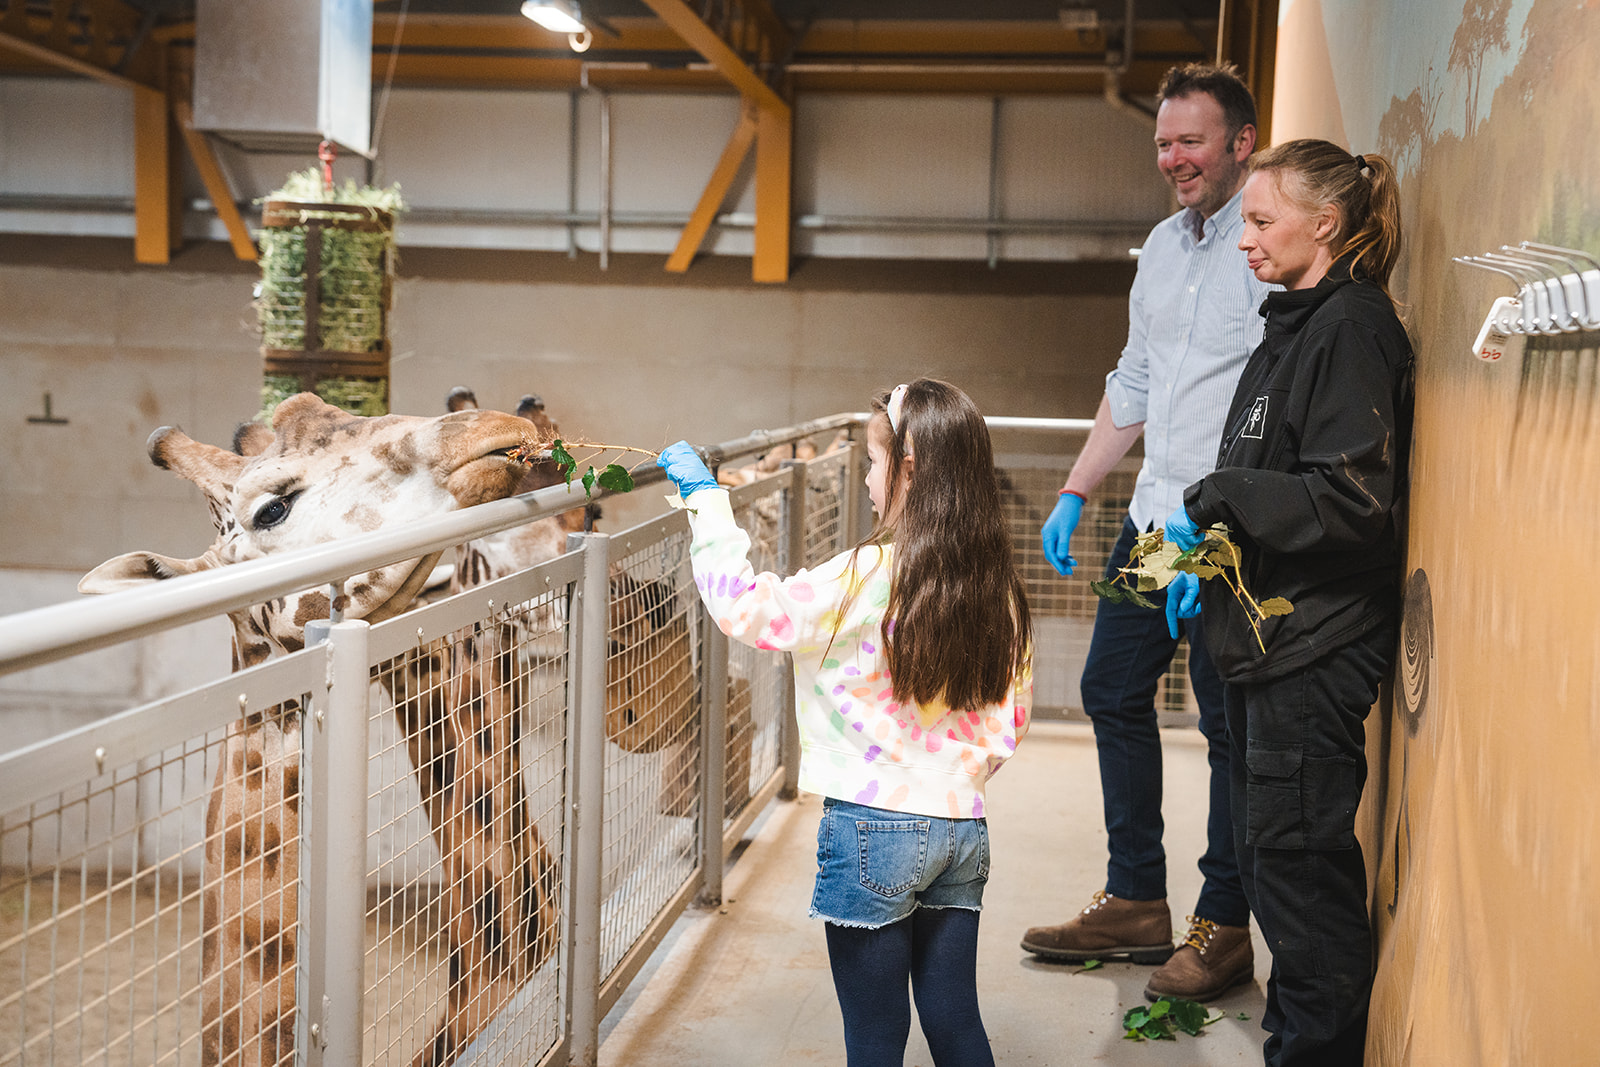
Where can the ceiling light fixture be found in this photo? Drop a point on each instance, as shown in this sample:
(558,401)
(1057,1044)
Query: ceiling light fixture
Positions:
(559,16)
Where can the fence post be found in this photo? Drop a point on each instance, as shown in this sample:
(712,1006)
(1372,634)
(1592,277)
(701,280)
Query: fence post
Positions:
(794,559)
(334,857)
(849,473)
(586,724)
(713,758)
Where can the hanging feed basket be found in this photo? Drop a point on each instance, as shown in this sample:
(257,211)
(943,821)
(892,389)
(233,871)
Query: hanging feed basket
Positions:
(327,272)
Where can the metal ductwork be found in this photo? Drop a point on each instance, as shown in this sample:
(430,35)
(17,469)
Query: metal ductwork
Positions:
(286,75)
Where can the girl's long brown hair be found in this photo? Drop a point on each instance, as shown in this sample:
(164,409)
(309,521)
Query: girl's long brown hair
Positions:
(956,627)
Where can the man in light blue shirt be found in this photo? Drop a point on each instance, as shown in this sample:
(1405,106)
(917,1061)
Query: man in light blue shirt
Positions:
(1193,319)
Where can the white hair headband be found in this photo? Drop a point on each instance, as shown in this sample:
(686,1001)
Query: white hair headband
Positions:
(897,399)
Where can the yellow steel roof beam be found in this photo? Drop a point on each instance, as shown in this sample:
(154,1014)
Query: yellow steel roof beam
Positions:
(733,155)
(754,30)
(774,147)
(216,182)
(153,218)
(53,40)
(722,54)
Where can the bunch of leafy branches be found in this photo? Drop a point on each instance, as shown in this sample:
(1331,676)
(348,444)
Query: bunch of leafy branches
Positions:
(1161,1021)
(1155,561)
(613,476)
(357,267)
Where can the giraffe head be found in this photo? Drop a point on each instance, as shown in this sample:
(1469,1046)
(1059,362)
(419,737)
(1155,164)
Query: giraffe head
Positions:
(326,474)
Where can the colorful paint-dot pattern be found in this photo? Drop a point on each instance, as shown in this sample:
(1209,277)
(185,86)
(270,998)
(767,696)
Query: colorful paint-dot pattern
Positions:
(857,742)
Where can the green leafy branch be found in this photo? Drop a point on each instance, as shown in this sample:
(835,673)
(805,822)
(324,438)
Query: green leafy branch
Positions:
(613,476)
(1161,1021)
(1155,561)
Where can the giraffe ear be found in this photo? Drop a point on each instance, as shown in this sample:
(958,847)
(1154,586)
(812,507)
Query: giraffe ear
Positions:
(134,569)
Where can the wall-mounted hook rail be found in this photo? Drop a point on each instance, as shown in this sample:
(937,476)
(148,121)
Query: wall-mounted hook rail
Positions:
(1556,294)
(1589,276)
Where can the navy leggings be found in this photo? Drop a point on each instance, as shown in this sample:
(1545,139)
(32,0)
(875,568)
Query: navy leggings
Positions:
(936,949)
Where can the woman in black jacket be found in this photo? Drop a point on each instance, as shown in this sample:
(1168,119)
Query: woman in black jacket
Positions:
(1310,482)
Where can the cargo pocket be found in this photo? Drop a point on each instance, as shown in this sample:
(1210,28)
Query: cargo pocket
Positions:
(1273,816)
(1332,793)
(893,854)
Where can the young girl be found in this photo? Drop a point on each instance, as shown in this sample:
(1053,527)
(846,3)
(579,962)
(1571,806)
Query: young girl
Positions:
(913,680)
(1310,479)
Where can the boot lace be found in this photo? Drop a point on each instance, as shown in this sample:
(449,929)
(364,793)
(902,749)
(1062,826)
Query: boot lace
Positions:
(1100,897)
(1201,931)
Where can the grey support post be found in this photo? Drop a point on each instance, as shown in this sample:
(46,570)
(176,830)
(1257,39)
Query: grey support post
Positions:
(794,559)
(713,759)
(334,857)
(586,812)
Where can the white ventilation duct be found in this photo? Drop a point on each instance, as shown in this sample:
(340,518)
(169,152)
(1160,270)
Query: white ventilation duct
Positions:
(283,76)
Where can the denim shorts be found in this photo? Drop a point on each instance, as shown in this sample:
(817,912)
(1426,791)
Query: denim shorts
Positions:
(875,867)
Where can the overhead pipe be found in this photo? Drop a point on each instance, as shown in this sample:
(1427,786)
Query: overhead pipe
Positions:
(605,164)
(1119,70)
(572,174)
(935,68)
(573,220)
(993,238)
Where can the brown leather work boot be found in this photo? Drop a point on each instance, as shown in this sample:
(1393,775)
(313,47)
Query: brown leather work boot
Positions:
(1141,930)
(1212,960)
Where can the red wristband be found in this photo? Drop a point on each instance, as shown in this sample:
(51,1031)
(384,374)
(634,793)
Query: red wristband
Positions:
(1075,493)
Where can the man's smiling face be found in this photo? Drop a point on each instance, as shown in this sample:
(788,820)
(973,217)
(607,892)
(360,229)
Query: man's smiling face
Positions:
(1196,154)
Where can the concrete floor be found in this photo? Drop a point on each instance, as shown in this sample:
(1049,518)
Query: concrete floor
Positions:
(748,983)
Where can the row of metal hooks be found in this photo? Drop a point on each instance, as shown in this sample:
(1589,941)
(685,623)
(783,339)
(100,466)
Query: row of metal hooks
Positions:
(1550,300)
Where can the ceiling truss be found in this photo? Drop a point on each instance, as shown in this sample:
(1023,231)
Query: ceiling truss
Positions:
(708,45)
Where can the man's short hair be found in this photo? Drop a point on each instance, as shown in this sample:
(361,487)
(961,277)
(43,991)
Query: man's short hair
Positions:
(1221,82)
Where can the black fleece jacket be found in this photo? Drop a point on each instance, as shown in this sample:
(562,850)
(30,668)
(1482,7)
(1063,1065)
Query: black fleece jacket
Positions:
(1311,477)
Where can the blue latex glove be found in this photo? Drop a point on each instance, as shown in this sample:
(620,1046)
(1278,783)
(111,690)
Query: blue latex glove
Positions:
(1183,600)
(686,469)
(1181,530)
(1058,530)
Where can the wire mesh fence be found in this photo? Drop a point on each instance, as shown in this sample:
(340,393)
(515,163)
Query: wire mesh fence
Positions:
(150,914)
(466,812)
(99,951)
(1064,607)
(756,680)
(167,889)
(653,703)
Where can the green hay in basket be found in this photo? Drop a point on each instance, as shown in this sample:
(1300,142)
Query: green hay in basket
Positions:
(355,267)
(359,396)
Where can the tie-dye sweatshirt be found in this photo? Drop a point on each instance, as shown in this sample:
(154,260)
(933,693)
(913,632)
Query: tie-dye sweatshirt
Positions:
(857,742)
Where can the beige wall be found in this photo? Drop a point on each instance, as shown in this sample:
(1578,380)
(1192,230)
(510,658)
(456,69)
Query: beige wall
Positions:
(1479,819)
(628,356)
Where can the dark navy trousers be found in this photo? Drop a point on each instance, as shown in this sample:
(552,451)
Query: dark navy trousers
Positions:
(1299,765)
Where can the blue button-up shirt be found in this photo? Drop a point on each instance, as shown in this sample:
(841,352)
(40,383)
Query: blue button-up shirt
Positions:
(1193,320)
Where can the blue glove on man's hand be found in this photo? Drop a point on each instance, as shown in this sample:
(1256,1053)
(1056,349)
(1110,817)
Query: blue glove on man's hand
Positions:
(1058,530)
(686,469)
(1183,600)
(1181,530)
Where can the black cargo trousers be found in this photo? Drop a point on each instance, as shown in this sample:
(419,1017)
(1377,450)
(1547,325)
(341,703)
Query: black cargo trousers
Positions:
(1297,768)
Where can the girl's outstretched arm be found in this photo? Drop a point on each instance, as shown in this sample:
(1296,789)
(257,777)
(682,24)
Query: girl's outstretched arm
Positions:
(794,614)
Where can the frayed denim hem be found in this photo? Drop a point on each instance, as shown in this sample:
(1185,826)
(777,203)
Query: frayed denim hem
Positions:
(856,924)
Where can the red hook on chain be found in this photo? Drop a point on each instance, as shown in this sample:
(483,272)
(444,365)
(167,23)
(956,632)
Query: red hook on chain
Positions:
(325,152)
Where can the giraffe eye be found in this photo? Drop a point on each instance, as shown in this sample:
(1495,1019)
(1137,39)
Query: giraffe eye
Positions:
(273,512)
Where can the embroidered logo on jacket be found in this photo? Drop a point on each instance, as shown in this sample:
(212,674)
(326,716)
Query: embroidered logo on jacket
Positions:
(1257,421)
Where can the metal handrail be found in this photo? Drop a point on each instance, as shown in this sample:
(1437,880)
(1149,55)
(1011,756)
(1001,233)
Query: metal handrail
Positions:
(46,635)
